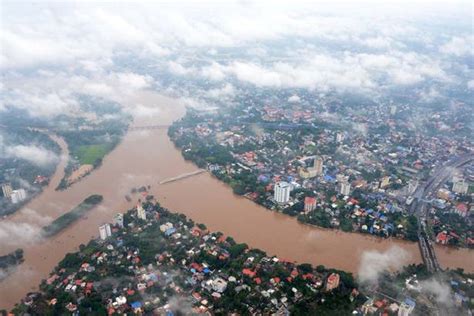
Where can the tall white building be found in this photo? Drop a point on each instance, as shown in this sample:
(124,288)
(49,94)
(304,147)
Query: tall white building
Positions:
(105,231)
(141,214)
(18,195)
(282,192)
(460,187)
(344,188)
(6,190)
(393,109)
(118,220)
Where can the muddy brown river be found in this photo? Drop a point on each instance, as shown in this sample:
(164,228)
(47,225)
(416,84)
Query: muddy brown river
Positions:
(147,157)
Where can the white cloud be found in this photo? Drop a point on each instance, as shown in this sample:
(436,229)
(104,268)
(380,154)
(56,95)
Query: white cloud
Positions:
(226,91)
(214,71)
(34,154)
(440,290)
(373,263)
(88,44)
(39,102)
(378,42)
(458,46)
(17,234)
(179,69)
(294,99)
(470,84)
(430,95)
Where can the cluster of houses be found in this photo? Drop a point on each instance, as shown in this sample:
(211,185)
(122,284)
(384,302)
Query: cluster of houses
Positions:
(377,158)
(188,264)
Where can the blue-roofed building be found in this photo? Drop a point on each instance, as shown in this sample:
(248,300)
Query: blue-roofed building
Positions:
(206,270)
(262,178)
(153,277)
(328,178)
(406,307)
(410,302)
(136,305)
(170,231)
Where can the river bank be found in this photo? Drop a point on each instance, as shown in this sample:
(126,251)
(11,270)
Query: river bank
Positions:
(148,157)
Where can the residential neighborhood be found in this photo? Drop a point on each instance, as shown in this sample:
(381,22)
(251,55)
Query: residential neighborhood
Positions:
(362,181)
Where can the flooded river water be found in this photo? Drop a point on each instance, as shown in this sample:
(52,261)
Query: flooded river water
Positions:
(148,157)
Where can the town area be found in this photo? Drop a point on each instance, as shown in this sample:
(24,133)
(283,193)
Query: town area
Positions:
(354,169)
(152,261)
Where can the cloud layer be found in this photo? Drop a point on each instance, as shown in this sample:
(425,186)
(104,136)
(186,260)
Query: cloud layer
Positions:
(53,51)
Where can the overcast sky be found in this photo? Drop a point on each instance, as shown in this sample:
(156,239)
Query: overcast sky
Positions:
(50,51)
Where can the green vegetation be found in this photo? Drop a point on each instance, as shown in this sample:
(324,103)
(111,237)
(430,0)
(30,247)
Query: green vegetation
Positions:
(8,261)
(91,154)
(67,219)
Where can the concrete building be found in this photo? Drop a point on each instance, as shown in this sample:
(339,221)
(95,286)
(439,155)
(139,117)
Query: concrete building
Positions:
(412,185)
(318,165)
(340,177)
(282,192)
(105,231)
(307,173)
(332,282)
(141,214)
(460,187)
(339,137)
(309,204)
(118,220)
(219,285)
(443,194)
(406,308)
(7,190)
(385,182)
(344,188)
(166,227)
(393,109)
(18,195)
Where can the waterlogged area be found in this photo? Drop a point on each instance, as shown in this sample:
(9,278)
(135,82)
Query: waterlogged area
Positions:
(148,157)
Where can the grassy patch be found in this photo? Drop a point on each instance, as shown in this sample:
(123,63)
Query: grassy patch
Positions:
(89,154)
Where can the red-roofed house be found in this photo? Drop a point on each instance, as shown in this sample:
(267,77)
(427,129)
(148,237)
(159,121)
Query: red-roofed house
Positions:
(462,210)
(249,273)
(332,282)
(442,238)
(309,204)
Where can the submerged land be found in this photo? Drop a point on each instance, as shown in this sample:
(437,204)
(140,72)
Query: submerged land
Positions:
(157,261)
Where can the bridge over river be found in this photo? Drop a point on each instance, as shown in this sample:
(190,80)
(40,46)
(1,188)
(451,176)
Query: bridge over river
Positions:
(420,206)
(147,127)
(182,176)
